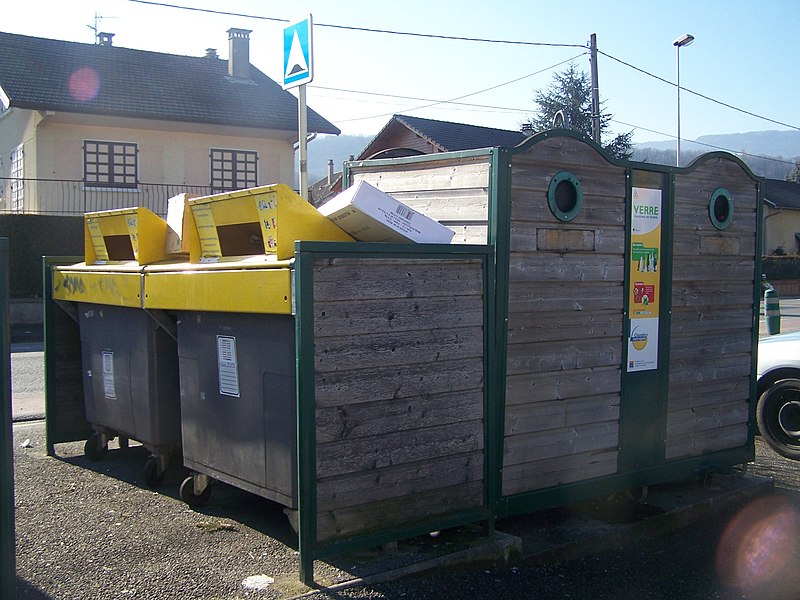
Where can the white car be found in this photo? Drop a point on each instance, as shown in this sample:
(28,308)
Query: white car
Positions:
(778,409)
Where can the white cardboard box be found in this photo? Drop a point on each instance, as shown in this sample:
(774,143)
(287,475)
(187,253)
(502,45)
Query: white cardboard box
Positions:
(370,215)
(177,240)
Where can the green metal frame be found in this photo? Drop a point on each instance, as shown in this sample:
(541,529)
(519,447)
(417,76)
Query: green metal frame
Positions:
(55,433)
(8,565)
(637,450)
(757,299)
(305,255)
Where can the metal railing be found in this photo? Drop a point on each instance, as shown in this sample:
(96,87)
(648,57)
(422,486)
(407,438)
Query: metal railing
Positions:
(73,197)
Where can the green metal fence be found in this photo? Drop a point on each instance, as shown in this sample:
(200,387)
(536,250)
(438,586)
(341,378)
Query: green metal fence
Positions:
(7,552)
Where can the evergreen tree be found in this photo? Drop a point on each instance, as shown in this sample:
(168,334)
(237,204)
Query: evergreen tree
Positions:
(570,97)
(794,174)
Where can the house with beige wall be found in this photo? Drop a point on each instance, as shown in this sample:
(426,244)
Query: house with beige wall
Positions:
(781,233)
(87,127)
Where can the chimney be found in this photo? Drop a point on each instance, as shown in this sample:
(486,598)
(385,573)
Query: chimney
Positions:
(211,53)
(104,39)
(239,53)
(330,171)
(527,129)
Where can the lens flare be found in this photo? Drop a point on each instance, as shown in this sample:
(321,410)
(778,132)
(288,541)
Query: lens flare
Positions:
(84,84)
(759,547)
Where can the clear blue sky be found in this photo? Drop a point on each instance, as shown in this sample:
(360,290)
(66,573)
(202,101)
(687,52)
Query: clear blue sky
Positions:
(744,55)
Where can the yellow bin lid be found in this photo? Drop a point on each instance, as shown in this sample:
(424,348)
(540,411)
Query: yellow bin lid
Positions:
(122,236)
(262,220)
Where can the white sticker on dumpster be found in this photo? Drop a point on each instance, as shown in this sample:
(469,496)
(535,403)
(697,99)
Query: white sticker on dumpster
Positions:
(228,365)
(109,391)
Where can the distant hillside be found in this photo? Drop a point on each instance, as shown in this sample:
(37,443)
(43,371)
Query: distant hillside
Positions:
(765,143)
(782,146)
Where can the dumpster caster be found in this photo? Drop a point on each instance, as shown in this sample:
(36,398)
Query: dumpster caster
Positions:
(154,472)
(190,493)
(95,447)
(294,518)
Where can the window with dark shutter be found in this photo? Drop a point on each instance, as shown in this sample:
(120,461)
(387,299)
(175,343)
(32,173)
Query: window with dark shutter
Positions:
(110,164)
(233,169)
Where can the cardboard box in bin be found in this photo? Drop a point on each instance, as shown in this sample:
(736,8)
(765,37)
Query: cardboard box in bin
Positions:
(370,215)
(178,224)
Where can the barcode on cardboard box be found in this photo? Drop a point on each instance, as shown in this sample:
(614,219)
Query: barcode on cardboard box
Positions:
(404,212)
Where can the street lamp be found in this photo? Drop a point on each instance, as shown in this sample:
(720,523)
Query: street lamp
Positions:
(684,40)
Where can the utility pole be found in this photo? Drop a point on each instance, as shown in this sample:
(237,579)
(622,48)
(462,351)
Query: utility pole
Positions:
(595,89)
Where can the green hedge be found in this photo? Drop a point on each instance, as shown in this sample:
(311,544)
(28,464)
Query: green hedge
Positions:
(781,267)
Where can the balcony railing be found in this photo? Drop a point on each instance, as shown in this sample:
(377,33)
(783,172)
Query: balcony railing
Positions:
(72,197)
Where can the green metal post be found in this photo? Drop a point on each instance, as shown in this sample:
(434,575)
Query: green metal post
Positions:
(306,436)
(8,566)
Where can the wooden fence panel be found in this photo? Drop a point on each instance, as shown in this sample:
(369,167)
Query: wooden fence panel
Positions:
(399,391)
(565,321)
(712,321)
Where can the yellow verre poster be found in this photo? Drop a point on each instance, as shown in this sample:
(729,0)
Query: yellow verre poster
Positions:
(644,272)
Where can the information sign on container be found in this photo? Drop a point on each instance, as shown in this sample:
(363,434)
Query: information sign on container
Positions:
(644,271)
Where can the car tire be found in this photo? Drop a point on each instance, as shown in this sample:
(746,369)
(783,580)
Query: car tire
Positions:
(778,416)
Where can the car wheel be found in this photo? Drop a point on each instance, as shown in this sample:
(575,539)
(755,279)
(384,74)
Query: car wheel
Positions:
(778,416)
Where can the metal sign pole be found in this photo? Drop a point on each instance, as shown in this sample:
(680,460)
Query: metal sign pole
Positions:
(298,70)
(302,121)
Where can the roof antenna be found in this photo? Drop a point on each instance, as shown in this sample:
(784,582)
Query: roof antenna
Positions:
(96,27)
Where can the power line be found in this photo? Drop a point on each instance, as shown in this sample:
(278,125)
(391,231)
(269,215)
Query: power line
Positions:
(209,11)
(465,39)
(362,29)
(707,145)
(416,98)
(454,100)
(710,99)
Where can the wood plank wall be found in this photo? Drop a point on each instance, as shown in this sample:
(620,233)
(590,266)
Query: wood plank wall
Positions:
(565,321)
(712,313)
(399,361)
(453,191)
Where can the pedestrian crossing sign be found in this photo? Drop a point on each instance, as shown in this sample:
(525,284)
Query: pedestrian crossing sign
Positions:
(297,56)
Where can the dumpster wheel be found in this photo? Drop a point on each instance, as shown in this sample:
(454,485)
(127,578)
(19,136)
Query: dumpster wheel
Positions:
(153,473)
(190,496)
(95,447)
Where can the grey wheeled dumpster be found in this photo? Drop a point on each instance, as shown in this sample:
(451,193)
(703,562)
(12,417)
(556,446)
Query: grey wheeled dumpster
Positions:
(131,385)
(236,337)
(129,356)
(238,403)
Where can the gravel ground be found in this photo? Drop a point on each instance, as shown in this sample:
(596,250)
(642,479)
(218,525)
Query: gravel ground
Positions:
(93,530)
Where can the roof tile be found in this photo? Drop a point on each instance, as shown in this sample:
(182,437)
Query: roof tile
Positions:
(45,74)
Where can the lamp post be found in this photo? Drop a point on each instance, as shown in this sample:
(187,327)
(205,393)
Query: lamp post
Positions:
(684,40)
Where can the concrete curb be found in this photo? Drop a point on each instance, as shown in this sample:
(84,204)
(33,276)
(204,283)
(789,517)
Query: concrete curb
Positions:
(502,548)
